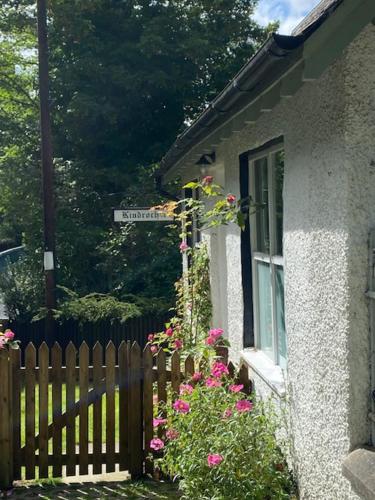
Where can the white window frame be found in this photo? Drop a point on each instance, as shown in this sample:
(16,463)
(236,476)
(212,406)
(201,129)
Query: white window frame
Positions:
(271,258)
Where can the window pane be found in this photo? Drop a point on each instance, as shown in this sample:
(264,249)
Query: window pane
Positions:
(265,308)
(280,316)
(261,199)
(279,181)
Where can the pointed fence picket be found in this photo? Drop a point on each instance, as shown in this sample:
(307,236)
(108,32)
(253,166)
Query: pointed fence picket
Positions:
(61,416)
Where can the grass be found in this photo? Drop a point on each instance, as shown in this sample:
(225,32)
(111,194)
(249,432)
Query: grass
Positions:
(90,414)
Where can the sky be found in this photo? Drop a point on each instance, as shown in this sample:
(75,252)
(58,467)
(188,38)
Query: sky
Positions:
(288,12)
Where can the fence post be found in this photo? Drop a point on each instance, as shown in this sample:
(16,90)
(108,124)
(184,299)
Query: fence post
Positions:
(6,431)
(136,421)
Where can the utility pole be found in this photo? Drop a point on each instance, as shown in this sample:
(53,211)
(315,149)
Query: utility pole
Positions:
(47,171)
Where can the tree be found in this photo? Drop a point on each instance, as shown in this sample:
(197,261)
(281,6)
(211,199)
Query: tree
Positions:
(126,77)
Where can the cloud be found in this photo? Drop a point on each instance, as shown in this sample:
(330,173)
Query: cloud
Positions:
(288,12)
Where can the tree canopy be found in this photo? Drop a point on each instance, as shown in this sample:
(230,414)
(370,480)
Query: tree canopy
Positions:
(126,78)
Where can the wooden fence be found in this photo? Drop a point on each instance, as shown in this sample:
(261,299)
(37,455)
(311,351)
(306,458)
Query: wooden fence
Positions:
(133,330)
(58,420)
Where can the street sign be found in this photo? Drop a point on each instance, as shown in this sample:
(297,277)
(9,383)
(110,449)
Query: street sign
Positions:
(140,215)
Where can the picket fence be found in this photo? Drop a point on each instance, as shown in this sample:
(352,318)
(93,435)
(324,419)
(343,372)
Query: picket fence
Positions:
(63,420)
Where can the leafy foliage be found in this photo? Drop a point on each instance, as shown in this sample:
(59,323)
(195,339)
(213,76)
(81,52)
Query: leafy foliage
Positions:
(193,291)
(21,287)
(193,310)
(95,307)
(217,441)
(125,78)
(216,428)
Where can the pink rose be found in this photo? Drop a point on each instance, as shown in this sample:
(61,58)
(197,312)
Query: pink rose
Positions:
(172,434)
(154,349)
(236,388)
(210,340)
(178,344)
(213,335)
(181,406)
(214,460)
(184,246)
(227,413)
(156,444)
(159,421)
(186,389)
(216,333)
(206,181)
(219,369)
(197,376)
(155,399)
(231,199)
(151,337)
(9,335)
(243,405)
(211,382)
(169,332)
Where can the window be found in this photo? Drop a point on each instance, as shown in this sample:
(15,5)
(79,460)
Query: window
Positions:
(266,229)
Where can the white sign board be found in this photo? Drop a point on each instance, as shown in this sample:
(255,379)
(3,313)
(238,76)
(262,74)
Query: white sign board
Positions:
(141,215)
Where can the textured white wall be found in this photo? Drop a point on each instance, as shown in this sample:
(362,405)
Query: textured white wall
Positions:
(329,203)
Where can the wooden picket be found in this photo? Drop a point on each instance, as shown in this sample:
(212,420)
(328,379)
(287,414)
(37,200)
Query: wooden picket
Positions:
(71,382)
(83,409)
(47,405)
(97,408)
(148,403)
(30,362)
(110,361)
(43,409)
(6,458)
(124,429)
(15,360)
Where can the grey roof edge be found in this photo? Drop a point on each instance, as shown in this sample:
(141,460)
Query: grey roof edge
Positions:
(319,12)
(277,51)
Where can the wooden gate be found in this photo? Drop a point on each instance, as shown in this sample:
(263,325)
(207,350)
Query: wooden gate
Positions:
(75,418)
(91,414)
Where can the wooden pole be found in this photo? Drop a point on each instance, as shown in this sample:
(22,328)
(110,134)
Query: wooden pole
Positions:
(47,170)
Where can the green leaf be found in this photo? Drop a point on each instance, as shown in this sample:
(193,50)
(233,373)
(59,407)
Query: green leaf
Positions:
(191,185)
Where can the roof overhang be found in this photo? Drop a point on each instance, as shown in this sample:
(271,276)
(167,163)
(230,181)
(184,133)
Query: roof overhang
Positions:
(276,72)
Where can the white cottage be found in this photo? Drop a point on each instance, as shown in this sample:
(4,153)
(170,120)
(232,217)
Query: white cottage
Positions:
(295,129)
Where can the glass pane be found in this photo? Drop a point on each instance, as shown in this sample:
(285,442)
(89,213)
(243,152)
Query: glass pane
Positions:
(261,199)
(280,317)
(265,308)
(279,182)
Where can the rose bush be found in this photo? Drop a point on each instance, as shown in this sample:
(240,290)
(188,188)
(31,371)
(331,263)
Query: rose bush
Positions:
(221,444)
(216,440)
(213,207)
(7,340)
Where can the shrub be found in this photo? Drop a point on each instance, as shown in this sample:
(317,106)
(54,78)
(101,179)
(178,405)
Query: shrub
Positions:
(193,309)
(221,445)
(21,288)
(94,307)
(217,441)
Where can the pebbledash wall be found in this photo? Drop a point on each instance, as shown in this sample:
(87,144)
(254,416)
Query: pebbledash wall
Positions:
(329,208)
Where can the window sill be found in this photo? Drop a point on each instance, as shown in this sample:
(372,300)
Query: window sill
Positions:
(270,373)
(358,468)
